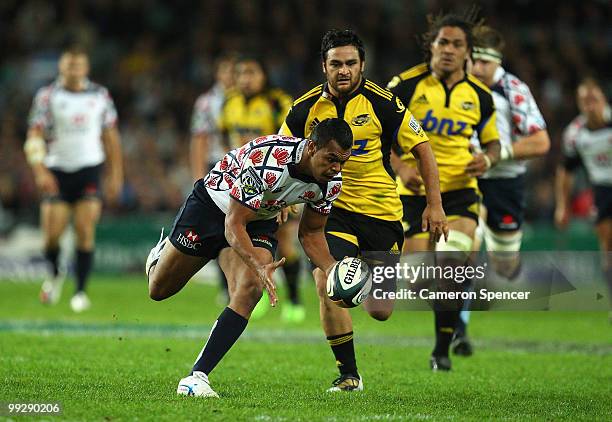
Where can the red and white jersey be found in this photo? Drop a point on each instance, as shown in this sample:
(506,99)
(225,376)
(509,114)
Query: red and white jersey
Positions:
(73,122)
(518,116)
(592,148)
(262,175)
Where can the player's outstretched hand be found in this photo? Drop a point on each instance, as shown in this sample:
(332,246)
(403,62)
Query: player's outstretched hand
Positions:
(562,216)
(265,277)
(113,189)
(479,165)
(434,220)
(45,181)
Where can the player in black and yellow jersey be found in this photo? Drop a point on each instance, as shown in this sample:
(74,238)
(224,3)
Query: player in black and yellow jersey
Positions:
(451,105)
(255,109)
(367,215)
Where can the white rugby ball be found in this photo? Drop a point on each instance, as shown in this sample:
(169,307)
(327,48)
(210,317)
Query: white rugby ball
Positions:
(349,282)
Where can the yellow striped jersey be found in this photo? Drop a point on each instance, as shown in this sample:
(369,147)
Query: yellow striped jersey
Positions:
(378,119)
(449,117)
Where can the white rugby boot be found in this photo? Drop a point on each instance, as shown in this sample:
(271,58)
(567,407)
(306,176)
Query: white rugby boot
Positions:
(155,253)
(196,385)
(80,302)
(51,289)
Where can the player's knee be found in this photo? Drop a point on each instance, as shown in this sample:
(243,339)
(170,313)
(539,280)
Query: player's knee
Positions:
(380,315)
(503,242)
(52,240)
(458,242)
(504,251)
(379,309)
(85,234)
(456,250)
(156,293)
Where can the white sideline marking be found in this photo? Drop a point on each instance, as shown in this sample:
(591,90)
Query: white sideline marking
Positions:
(284,336)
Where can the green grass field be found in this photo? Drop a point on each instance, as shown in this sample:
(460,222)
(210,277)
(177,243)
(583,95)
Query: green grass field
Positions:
(122,360)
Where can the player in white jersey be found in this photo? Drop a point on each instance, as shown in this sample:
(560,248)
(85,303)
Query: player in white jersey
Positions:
(231,216)
(523,136)
(207,146)
(72,131)
(587,141)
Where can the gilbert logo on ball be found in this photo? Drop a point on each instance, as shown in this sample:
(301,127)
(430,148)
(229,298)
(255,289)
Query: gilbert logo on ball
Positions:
(349,282)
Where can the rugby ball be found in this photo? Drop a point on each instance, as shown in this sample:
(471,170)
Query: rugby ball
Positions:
(349,282)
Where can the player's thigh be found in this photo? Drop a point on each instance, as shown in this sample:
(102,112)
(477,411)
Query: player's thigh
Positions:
(414,238)
(381,243)
(172,271)
(196,237)
(464,225)
(286,235)
(86,215)
(263,236)
(417,244)
(342,242)
(54,217)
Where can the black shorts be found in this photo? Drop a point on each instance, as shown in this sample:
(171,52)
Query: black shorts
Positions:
(199,227)
(504,200)
(603,202)
(349,233)
(461,202)
(77,185)
(378,242)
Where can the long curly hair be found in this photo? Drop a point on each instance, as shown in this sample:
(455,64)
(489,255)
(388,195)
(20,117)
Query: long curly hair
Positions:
(466,21)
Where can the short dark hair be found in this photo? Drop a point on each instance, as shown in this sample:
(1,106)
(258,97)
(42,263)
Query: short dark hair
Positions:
(252,57)
(256,58)
(75,50)
(339,38)
(230,56)
(333,129)
(466,21)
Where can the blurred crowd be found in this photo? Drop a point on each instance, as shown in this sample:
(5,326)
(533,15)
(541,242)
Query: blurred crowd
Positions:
(156,57)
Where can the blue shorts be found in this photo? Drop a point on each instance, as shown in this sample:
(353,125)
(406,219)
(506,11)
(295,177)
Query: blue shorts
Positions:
(199,227)
(603,202)
(504,200)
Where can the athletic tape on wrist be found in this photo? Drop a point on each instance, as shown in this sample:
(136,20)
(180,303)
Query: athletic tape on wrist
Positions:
(506,153)
(35,150)
(487,161)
